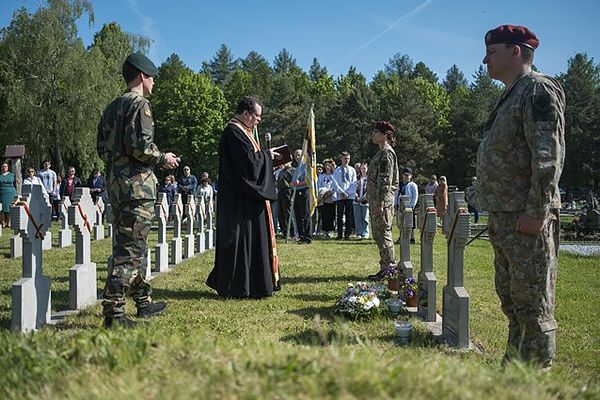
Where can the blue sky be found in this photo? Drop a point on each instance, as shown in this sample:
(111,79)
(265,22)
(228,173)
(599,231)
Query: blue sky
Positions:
(343,33)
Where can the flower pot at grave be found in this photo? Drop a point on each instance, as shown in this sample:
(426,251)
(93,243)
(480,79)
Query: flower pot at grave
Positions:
(394,284)
(412,301)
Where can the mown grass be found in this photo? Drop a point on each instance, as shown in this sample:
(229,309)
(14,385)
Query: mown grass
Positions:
(291,345)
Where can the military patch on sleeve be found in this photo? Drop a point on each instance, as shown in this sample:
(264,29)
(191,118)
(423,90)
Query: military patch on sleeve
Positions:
(542,107)
(147,113)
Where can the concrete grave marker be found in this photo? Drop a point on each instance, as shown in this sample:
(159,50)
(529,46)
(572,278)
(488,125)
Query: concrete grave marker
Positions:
(455,299)
(99,225)
(161,250)
(82,276)
(405,224)
(177,213)
(31,218)
(65,234)
(427,280)
(209,231)
(189,238)
(200,218)
(108,215)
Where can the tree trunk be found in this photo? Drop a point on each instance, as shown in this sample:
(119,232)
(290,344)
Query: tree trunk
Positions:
(58,160)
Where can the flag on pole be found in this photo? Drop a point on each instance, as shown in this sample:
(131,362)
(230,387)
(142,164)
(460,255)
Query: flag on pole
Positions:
(309,154)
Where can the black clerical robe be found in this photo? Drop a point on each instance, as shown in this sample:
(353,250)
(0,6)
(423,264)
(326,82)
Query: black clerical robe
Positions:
(246,258)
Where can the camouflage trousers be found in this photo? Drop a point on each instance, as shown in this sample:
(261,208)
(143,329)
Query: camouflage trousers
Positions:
(526,267)
(132,221)
(381,230)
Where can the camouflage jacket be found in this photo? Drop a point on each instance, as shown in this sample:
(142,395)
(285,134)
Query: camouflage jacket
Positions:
(382,179)
(521,156)
(125,144)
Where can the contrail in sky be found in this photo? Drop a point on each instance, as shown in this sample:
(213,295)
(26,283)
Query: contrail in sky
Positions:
(391,26)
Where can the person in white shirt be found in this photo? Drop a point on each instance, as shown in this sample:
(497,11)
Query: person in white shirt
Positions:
(326,185)
(32,179)
(345,192)
(50,182)
(411,190)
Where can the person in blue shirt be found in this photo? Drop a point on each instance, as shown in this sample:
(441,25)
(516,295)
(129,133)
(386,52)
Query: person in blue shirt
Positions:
(301,203)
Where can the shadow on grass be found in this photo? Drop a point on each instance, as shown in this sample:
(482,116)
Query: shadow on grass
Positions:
(315,337)
(182,294)
(325,312)
(294,280)
(315,297)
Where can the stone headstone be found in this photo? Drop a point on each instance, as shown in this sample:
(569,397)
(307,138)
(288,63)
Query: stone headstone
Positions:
(82,275)
(65,234)
(200,218)
(189,238)
(108,215)
(427,280)
(99,225)
(31,218)
(177,213)
(405,225)
(161,250)
(209,231)
(16,246)
(455,299)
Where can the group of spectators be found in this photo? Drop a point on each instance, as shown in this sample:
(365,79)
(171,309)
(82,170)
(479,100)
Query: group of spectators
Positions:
(188,184)
(54,186)
(342,208)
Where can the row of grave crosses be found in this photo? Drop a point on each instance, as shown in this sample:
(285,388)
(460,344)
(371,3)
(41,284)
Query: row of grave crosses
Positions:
(65,234)
(32,217)
(455,299)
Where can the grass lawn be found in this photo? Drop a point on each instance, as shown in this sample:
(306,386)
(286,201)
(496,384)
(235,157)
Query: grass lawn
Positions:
(291,345)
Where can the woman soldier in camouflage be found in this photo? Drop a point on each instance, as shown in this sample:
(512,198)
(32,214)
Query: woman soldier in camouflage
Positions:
(382,181)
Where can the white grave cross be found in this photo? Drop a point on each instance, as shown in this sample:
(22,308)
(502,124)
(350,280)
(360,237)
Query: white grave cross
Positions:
(82,276)
(31,218)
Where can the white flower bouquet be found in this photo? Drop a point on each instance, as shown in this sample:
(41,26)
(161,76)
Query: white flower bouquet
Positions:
(360,300)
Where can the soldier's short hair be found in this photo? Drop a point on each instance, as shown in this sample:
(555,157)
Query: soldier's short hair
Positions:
(248,103)
(526,52)
(130,72)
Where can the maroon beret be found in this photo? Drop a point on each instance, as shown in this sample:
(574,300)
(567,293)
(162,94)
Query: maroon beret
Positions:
(384,126)
(512,34)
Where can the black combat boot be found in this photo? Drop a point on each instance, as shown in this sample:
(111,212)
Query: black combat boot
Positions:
(379,276)
(112,322)
(152,310)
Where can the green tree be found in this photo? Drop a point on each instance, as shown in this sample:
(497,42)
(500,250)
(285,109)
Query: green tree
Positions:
(222,64)
(422,71)
(190,112)
(582,122)
(454,79)
(50,108)
(172,68)
(469,111)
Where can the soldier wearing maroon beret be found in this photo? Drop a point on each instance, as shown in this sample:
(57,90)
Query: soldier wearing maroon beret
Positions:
(519,163)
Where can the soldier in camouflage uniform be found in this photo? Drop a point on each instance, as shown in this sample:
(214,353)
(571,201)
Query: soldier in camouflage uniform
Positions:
(382,181)
(125,143)
(519,163)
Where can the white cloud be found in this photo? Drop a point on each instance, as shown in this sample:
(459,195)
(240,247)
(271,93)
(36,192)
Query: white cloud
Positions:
(148,28)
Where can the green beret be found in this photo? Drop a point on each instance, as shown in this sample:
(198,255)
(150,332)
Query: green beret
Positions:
(142,63)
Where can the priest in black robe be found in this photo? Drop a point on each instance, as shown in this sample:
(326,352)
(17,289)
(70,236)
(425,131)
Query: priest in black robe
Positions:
(246,263)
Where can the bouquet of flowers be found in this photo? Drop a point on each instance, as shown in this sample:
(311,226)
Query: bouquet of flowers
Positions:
(360,301)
